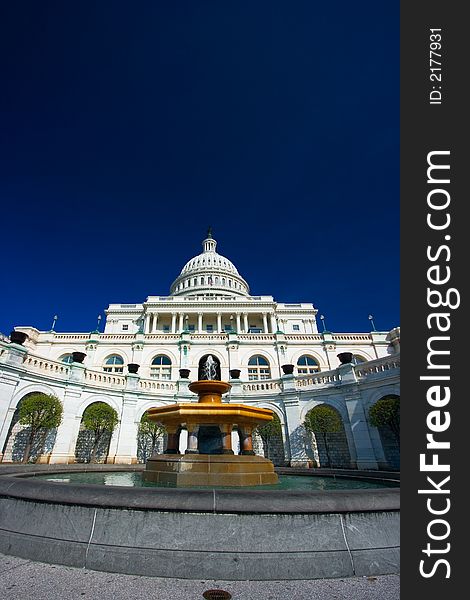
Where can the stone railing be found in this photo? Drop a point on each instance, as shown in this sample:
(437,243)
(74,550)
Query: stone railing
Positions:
(46,366)
(104,379)
(210,337)
(380,365)
(266,386)
(117,337)
(163,338)
(256,337)
(71,337)
(323,378)
(303,337)
(149,385)
(351,337)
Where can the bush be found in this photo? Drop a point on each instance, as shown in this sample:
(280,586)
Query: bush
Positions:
(41,412)
(99,418)
(386,413)
(323,420)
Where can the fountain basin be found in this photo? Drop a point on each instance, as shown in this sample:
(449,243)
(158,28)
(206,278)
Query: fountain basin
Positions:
(234,534)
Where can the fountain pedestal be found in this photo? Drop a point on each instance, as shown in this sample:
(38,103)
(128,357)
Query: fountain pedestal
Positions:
(209,459)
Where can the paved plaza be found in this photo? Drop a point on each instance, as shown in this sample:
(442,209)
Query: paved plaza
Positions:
(27,580)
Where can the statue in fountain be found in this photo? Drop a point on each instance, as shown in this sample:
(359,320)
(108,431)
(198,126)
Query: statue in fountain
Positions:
(210,368)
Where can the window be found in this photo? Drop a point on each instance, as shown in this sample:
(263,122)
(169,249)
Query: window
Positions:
(307,364)
(295,327)
(227,327)
(66,358)
(191,328)
(254,330)
(114,364)
(125,327)
(166,329)
(358,359)
(258,368)
(160,367)
(209,328)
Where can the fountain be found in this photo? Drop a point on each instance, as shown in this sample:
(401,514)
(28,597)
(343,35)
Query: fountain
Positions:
(211,533)
(209,458)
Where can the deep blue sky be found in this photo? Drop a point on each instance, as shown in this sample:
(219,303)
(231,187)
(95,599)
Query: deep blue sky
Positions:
(129,127)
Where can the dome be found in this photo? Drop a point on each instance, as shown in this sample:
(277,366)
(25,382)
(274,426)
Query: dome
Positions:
(209,273)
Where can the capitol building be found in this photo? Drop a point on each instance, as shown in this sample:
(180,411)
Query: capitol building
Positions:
(272,353)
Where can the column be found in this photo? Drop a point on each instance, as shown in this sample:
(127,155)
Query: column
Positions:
(8,386)
(246,439)
(273,323)
(173,322)
(193,431)
(238,323)
(155,320)
(126,451)
(181,317)
(199,322)
(219,323)
(245,323)
(265,323)
(66,440)
(173,439)
(226,431)
(365,455)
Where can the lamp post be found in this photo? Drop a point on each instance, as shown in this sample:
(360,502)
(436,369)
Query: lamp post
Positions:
(371,319)
(322,318)
(98,324)
(54,322)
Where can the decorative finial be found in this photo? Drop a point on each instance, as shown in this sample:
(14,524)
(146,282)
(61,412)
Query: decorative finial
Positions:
(209,232)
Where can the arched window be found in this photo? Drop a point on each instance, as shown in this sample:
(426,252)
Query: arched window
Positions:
(114,364)
(160,367)
(258,368)
(307,364)
(66,358)
(358,359)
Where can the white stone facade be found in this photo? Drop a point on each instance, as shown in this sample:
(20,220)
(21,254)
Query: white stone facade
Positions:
(209,311)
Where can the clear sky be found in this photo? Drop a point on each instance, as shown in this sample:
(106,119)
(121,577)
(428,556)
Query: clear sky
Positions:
(130,127)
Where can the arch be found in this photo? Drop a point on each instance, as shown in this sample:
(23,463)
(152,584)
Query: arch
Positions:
(87,446)
(358,359)
(149,354)
(274,448)
(113,363)
(389,438)
(143,408)
(149,442)
(259,368)
(15,442)
(33,388)
(307,364)
(215,353)
(321,360)
(65,358)
(160,367)
(97,398)
(331,449)
(103,353)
